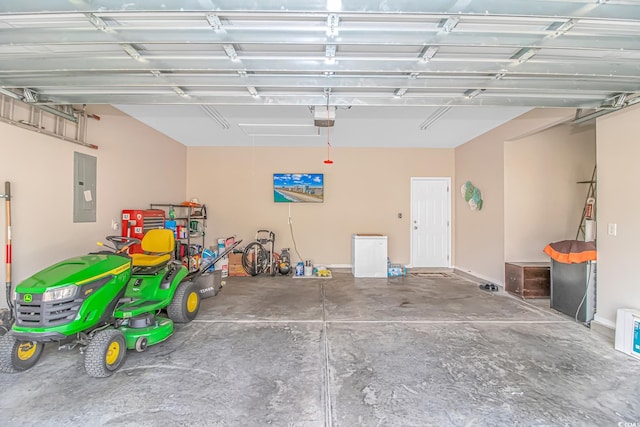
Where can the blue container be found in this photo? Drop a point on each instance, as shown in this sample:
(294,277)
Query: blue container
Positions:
(300,269)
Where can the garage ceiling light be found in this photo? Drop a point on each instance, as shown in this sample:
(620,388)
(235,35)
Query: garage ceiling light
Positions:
(215,116)
(435,116)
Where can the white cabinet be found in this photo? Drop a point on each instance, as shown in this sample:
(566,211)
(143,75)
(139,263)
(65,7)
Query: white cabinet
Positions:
(369,255)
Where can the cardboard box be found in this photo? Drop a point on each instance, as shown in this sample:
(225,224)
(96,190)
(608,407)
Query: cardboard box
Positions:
(235,266)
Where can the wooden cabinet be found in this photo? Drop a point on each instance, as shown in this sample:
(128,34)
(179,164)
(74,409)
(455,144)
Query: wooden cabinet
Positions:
(527,279)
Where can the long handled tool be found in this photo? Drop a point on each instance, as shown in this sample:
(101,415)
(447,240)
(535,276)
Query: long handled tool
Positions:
(7,198)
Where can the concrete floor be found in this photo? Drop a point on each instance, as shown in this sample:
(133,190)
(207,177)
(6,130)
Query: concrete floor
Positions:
(346,352)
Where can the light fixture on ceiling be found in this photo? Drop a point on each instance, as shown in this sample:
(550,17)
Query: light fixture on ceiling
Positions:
(525,54)
(131,51)
(330,53)
(413,76)
(500,75)
(399,93)
(214,21)
(230,51)
(242,73)
(97,22)
(215,116)
(449,24)
(156,73)
(252,90)
(435,116)
(428,52)
(333,20)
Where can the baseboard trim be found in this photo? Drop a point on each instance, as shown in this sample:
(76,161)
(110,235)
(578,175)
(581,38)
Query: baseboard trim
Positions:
(475,277)
(348,266)
(603,327)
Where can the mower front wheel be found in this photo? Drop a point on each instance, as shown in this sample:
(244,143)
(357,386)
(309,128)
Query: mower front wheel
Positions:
(105,353)
(185,304)
(18,356)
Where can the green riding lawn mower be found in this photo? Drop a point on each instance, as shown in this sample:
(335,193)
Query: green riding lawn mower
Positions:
(103,303)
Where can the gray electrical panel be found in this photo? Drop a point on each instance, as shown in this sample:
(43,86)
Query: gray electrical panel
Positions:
(84,187)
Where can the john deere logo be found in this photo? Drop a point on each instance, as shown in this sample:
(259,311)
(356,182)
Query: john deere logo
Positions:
(28,298)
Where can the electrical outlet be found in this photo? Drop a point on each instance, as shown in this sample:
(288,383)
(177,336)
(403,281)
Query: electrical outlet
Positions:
(399,215)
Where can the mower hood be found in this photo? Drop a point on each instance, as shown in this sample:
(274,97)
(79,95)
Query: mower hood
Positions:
(75,271)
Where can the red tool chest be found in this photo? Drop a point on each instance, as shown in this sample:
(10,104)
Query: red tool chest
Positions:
(136,222)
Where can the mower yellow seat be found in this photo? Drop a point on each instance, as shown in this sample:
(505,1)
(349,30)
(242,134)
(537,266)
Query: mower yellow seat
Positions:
(158,245)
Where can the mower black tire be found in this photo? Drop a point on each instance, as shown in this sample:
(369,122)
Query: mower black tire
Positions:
(18,356)
(185,304)
(105,353)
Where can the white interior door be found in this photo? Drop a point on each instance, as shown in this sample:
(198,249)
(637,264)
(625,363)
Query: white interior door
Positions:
(430,222)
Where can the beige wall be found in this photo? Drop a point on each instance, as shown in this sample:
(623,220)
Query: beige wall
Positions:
(365,189)
(479,237)
(543,202)
(618,203)
(135,165)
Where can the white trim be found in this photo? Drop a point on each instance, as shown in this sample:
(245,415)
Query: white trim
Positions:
(433,178)
(349,266)
(604,322)
(480,277)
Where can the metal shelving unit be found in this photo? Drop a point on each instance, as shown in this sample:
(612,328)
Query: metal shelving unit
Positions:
(194,220)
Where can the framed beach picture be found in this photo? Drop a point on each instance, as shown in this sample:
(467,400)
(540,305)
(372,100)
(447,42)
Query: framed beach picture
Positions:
(298,187)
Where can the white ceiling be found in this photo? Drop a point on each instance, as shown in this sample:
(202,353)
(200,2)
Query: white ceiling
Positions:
(292,126)
(439,71)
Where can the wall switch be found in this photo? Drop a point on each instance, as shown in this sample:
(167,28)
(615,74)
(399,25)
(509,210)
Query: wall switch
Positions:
(612,229)
(115,224)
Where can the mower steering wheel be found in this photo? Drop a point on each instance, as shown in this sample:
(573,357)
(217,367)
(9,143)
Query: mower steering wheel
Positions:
(122,243)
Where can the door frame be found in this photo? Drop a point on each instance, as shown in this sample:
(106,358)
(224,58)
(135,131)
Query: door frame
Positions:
(447,179)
